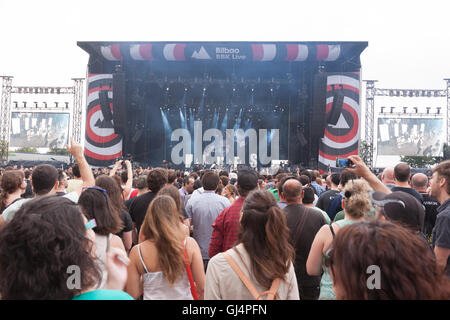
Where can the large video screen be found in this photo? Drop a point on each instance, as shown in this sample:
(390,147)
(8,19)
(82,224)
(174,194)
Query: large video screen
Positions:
(411,136)
(39,129)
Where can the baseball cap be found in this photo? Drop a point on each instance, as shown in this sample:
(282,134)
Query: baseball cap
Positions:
(401,207)
(247,179)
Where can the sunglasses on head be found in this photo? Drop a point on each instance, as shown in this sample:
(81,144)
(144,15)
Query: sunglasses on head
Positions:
(99,189)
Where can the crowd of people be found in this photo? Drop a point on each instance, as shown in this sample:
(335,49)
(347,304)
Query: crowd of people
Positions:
(122,233)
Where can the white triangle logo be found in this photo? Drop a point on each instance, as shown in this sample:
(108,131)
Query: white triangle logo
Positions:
(341,124)
(201,54)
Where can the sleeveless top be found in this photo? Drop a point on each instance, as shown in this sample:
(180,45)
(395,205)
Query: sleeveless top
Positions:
(101,249)
(326,284)
(156,287)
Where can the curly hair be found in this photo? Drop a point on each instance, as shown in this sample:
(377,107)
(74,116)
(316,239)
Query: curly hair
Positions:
(408,267)
(11,182)
(45,237)
(265,236)
(357,198)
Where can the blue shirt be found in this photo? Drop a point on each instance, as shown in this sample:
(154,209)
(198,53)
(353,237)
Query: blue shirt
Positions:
(203,209)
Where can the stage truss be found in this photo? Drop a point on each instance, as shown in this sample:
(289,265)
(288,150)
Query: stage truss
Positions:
(5,108)
(372,92)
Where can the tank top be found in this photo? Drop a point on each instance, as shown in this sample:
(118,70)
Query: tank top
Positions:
(326,284)
(156,287)
(101,249)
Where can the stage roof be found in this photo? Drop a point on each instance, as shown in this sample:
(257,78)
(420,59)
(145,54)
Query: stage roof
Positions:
(332,52)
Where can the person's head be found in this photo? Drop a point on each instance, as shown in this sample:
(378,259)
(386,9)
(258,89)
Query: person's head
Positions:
(278,178)
(27,174)
(44,179)
(172,191)
(188,183)
(12,181)
(335,179)
(405,265)
(308,195)
(400,207)
(171,176)
(356,200)
(402,172)
(210,180)
(225,180)
(292,191)
(230,191)
(156,179)
(37,247)
(162,225)
(440,181)
(141,183)
(76,171)
(223,173)
(265,236)
(261,184)
(94,205)
(197,184)
(123,177)
(114,192)
(247,181)
(419,181)
(304,179)
(387,177)
(345,177)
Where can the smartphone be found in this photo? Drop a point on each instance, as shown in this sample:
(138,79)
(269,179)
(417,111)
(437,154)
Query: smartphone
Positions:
(343,163)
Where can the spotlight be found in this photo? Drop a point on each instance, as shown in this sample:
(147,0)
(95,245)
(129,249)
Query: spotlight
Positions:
(35,104)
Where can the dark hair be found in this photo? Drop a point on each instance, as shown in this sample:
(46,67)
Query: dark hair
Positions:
(395,250)
(76,171)
(114,194)
(46,236)
(156,179)
(346,176)
(61,176)
(197,184)
(27,174)
(304,180)
(443,171)
(95,206)
(171,176)
(44,178)
(335,178)
(223,173)
(11,182)
(124,176)
(186,179)
(225,180)
(401,172)
(308,196)
(210,180)
(247,181)
(265,236)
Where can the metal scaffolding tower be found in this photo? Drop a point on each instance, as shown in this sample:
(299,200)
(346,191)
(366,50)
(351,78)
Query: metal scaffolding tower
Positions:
(5,118)
(77,108)
(369,117)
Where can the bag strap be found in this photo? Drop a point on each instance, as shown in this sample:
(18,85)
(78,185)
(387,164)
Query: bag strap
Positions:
(189,274)
(332,230)
(273,289)
(301,224)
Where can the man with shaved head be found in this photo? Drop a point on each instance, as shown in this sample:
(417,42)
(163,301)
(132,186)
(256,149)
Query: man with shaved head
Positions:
(420,183)
(303,223)
(402,172)
(387,177)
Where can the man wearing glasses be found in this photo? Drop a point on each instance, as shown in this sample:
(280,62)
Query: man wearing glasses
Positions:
(44,180)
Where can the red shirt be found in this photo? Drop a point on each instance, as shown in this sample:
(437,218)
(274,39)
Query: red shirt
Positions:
(226,228)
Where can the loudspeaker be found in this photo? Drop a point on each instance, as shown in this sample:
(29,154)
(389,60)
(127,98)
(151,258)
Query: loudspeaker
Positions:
(104,106)
(301,137)
(119,108)
(336,109)
(137,135)
(318,111)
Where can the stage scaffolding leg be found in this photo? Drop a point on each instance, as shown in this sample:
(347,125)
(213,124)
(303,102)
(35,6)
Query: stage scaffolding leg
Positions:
(5,118)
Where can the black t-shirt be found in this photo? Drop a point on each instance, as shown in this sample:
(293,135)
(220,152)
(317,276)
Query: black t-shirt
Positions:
(431,206)
(411,191)
(312,224)
(325,198)
(139,206)
(127,223)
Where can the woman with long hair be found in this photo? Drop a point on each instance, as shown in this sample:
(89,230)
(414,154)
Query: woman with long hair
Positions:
(230,192)
(356,204)
(47,252)
(379,260)
(13,185)
(172,192)
(94,205)
(263,255)
(117,207)
(161,266)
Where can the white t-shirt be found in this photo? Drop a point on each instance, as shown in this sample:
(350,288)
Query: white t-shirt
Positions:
(9,212)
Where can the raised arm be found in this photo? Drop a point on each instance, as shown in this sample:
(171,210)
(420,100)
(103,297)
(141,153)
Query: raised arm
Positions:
(129,184)
(364,172)
(76,151)
(114,169)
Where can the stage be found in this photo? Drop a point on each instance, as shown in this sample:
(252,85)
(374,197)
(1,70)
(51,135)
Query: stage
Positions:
(222,103)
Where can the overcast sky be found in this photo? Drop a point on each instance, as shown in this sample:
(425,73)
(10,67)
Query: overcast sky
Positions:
(408,40)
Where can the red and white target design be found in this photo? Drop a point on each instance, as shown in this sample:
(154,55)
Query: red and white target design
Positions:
(264,52)
(102,145)
(141,52)
(112,52)
(342,139)
(174,52)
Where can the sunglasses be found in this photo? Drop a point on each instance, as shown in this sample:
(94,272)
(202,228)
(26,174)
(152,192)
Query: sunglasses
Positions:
(99,189)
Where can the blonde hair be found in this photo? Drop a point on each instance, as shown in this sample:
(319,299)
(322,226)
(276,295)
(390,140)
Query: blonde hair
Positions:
(357,198)
(162,225)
